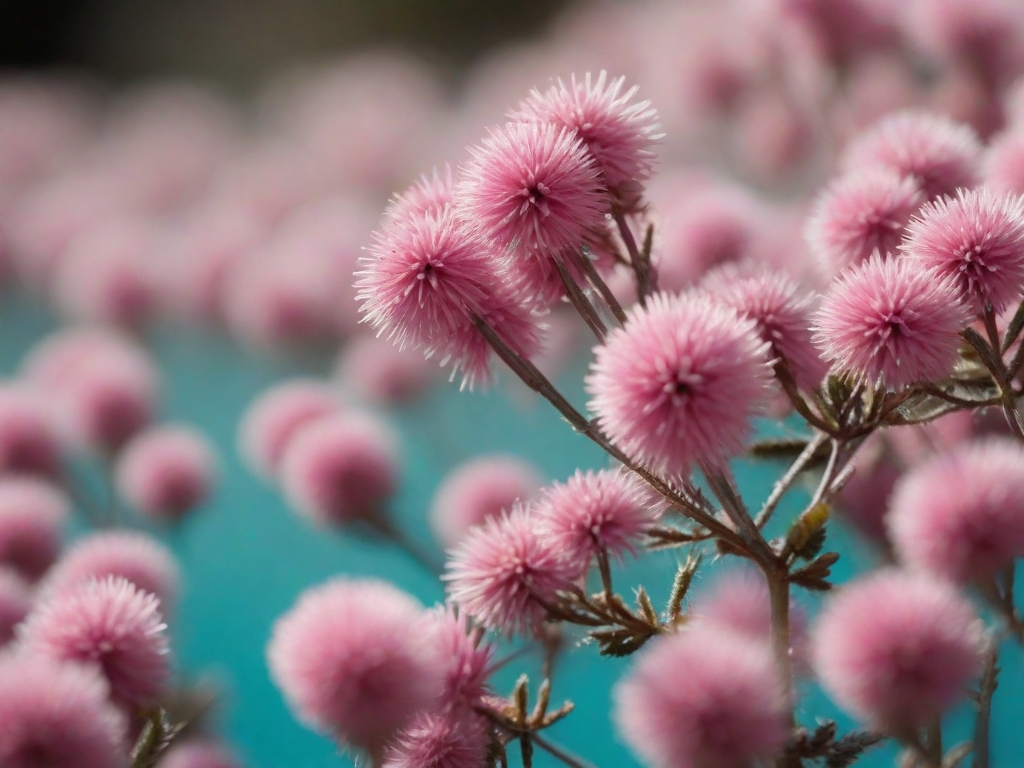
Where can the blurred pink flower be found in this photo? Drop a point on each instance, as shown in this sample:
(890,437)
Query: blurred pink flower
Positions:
(379,373)
(28,441)
(33,514)
(15,603)
(466,659)
(199,753)
(864,500)
(1003,165)
(439,741)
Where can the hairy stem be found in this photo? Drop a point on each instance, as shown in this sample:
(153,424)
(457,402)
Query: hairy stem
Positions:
(638,260)
(785,482)
(983,723)
(579,300)
(594,277)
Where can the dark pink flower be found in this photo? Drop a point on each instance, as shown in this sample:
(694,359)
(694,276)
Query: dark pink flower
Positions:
(438,741)
(32,518)
(939,154)
(504,572)
(15,603)
(478,490)
(859,214)
(28,443)
(702,697)
(976,240)
(352,660)
(199,753)
(112,626)
(896,649)
(55,714)
(891,320)
(533,186)
(341,469)
(679,382)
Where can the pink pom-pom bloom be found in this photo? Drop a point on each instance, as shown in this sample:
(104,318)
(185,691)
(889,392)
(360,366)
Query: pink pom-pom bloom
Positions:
(112,626)
(505,571)
(341,469)
(895,649)
(618,132)
(680,382)
(859,214)
(436,741)
(533,186)
(478,490)
(378,372)
(976,240)
(960,515)
(891,320)
(166,472)
(276,416)
(126,554)
(352,660)
(428,195)
(53,362)
(702,697)
(55,714)
(939,154)
(28,442)
(591,513)
(15,603)
(200,753)
(466,661)
(1004,162)
(32,518)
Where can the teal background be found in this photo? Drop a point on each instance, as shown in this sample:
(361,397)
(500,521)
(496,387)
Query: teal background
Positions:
(246,557)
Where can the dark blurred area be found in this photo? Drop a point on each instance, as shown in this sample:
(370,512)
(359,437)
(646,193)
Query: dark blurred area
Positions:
(238,41)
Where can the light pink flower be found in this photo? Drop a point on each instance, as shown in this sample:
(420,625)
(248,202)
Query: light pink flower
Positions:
(960,515)
(896,649)
(702,697)
(859,214)
(380,373)
(891,319)
(199,753)
(841,31)
(166,472)
(466,660)
(352,660)
(53,362)
(533,186)
(939,154)
(679,382)
(112,626)
(1003,167)
(32,518)
(478,490)
(864,500)
(28,442)
(341,469)
(504,572)
(15,603)
(427,195)
(976,240)
(437,741)
(57,715)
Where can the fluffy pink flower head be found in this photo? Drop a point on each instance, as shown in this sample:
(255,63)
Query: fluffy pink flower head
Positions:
(341,469)
(466,660)
(140,559)
(58,715)
(478,490)
(700,698)
(505,570)
(15,603)
(779,309)
(591,512)
(166,472)
(679,383)
(53,362)
(200,753)
(618,131)
(1003,168)
(896,649)
(276,416)
(111,625)
(428,195)
(28,442)
(960,515)
(533,186)
(939,154)
(32,518)
(976,240)
(380,373)
(437,741)
(860,213)
(352,660)
(893,320)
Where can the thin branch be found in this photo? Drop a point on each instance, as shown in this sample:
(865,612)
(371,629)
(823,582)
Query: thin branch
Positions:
(639,261)
(560,752)
(983,722)
(595,279)
(785,482)
(579,300)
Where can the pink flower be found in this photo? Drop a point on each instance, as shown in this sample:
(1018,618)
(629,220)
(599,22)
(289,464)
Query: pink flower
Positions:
(428,195)
(126,554)
(891,320)
(702,697)
(341,469)
(276,416)
(478,490)
(896,649)
(1004,162)
(466,660)
(679,382)
(608,511)
(533,186)
(859,214)
(15,603)
(976,240)
(960,515)
(199,753)
(939,154)
(32,518)
(864,500)
(53,362)
(380,373)
(352,660)
(57,715)
(28,443)
(436,741)
(166,472)
(618,132)
(504,572)
(110,625)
